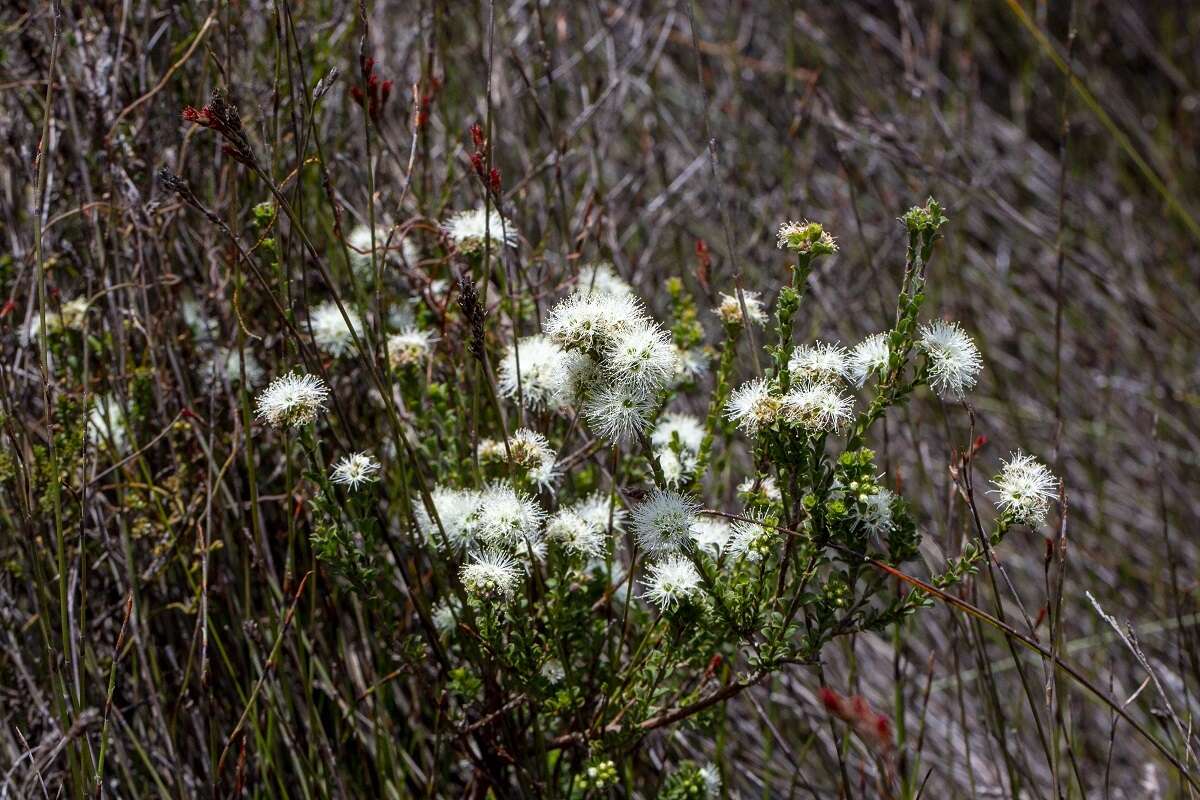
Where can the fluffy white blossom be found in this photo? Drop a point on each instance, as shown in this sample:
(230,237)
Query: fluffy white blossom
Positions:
(873,512)
(491,575)
(752,407)
(225,364)
(1024,489)
(730,310)
(617,413)
(589,322)
(819,361)
(576,533)
(675,466)
(535,370)
(106,424)
(691,364)
(817,407)
(870,356)
(954,360)
(455,509)
(642,355)
(767,486)
(443,617)
(409,348)
(531,451)
(663,521)
(751,539)
(355,470)
(602,278)
(507,517)
(805,237)
(292,400)
(469,229)
(711,534)
(329,328)
(599,509)
(687,427)
(671,582)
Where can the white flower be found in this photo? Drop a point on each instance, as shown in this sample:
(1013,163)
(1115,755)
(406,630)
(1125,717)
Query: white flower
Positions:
(691,364)
(225,365)
(751,539)
(687,427)
(816,407)
(642,355)
(874,511)
(106,425)
(752,407)
(819,361)
(588,322)
(491,575)
(443,617)
(507,517)
(663,521)
(766,486)
(577,533)
(730,310)
(602,278)
(1024,489)
(618,413)
(954,361)
(805,237)
(581,374)
(410,347)
(455,508)
(868,356)
(535,370)
(329,328)
(671,582)
(355,469)
(675,466)
(711,535)
(292,400)
(553,670)
(599,509)
(531,451)
(712,780)
(468,229)
(72,317)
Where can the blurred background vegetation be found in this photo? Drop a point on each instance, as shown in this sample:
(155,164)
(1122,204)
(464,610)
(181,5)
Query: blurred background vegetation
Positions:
(670,138)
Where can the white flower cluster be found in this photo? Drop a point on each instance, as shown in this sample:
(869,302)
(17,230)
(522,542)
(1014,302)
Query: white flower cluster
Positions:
(292,400)
(330,330)
(583,528)
(672,582)
(815,401)
(355,470)
(534,370)
(619,359)
(813,404)
(500,527)
(409,348)
(663,521)
(954,360)
(729,309)
(677,439)
(1024,489)
(468,230)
